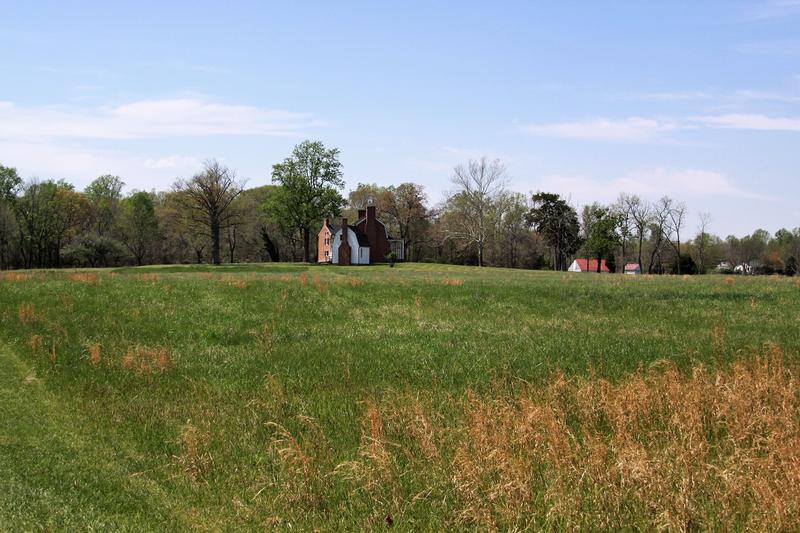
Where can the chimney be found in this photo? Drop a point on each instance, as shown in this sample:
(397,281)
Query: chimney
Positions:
(326,222)
(370,213)
(361,214)
(344,229)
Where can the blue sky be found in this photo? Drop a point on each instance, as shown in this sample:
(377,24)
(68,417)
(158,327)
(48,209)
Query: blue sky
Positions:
(697,100)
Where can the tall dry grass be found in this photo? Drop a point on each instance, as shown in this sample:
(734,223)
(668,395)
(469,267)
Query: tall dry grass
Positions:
(659,449)
(146,360)
(83,277)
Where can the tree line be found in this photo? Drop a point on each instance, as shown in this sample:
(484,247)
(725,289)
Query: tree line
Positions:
(212,217)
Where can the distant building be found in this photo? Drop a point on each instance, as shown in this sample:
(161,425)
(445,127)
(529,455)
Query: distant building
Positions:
(633,268)
(367,241)
(588,265)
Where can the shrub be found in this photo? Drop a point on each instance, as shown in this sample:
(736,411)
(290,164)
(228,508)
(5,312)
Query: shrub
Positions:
(687,265)
(791,266)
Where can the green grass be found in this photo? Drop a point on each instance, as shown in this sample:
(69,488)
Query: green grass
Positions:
(106,446)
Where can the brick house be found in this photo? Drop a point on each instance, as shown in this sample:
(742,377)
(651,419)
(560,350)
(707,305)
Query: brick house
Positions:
(367,241)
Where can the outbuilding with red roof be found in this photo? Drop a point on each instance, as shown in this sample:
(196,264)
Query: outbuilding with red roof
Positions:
(588,265)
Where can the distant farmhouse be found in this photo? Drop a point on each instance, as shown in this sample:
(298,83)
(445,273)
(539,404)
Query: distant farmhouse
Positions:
(633,268)
(588,265)
(367,241)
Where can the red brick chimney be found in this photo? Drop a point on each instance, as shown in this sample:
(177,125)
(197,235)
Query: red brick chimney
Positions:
(371,230)
(344,246)
(361,214)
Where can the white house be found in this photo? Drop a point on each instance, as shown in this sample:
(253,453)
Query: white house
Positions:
(359,245)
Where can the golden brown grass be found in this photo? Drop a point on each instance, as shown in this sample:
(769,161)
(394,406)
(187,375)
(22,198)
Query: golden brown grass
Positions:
(83,277)
(265,338)
(659,449)
(149,277)
(354,281)
(35,342)
(195,460)
(26,313)
(455,282)
(233,281)
(317,282)
(95,351)
(146,360)
(729,280)
(16,277)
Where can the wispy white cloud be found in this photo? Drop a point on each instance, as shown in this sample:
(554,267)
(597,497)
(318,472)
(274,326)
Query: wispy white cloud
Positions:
(651,183)
(737,96)
(172,161)
(177,117)
(781,47)
(751,122)
(80,164)
(772,9)
(636,129)
(669,96)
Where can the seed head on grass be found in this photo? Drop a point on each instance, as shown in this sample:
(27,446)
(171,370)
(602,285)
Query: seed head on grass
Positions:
(26,313)
(95,351)
(35,343)
(195,459)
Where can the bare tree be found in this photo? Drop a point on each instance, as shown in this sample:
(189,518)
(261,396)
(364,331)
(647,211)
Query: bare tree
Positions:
(659,228)
(704,222)
(207,198)
(641,215)
(625,226)
(479,184)
(677,218)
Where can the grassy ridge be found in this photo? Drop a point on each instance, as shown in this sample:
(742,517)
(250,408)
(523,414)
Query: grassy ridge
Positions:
(252,395)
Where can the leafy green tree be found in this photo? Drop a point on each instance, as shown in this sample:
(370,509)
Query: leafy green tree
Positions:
(557,222)
(104,194)
(10,183)
(138,225)
(49,213)
(601,235)
(310,181)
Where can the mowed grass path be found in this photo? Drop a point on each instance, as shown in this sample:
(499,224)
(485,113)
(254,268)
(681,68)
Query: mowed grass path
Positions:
(236,397)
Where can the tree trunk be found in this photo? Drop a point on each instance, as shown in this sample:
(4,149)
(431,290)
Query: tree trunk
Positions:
(641,238)
(270,246)
(215,241)
(232,241)
(307,245)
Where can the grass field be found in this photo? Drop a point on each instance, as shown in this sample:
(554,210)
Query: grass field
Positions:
(426,396)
